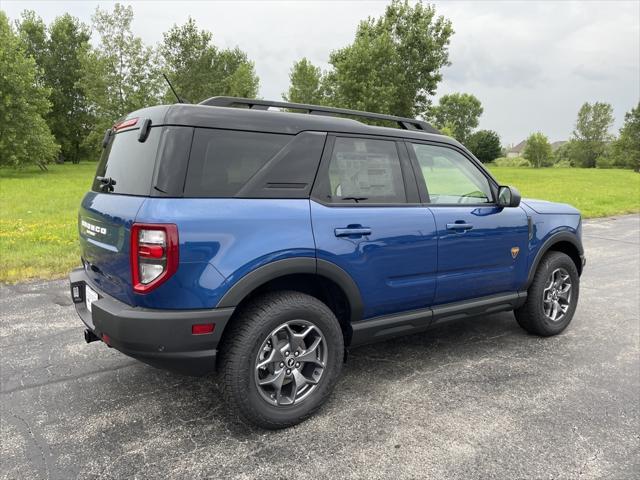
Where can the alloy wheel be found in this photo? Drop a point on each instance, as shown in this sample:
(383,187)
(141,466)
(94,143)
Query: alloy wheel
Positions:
(556,297)
(290,363)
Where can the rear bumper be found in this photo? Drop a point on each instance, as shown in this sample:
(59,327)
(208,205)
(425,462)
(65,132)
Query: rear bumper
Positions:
(161,338)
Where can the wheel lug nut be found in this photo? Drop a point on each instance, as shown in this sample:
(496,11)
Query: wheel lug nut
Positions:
(282,364)
(288,371)
(286,354)
(297,353)
(297,364)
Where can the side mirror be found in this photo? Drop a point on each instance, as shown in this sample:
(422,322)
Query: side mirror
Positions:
(508,196)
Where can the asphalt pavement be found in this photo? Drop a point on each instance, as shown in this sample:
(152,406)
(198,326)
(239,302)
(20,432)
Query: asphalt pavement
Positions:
(477,398)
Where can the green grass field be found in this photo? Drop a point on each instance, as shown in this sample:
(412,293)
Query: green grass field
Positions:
(38,220)
(38,211)
(595,192)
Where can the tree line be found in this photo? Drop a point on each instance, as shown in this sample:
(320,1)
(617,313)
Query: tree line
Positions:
(61,93)
(591,144)
(75,91)
(458,115)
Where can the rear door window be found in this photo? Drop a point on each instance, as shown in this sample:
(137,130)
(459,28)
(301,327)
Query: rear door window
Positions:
(363,170)
(222,161)
(129,163)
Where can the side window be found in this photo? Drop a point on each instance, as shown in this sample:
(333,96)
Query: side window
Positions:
(222,161)
(451,177)
(364,171)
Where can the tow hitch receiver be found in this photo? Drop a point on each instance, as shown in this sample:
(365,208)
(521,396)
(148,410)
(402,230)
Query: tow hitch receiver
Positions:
(89,336)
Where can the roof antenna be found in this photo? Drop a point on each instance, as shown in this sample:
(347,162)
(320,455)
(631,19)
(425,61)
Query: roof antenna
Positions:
(172,89)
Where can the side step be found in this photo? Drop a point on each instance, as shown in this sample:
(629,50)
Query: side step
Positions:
(416,321)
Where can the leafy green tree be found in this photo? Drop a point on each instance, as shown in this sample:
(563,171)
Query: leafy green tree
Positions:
(188,55)
(70,119)
(33,34)
(394,64)
(306,84)
(460,112)
(591,133)
(198,70)
(485,145)
(626,149)
(362,74)
(59,53)
(121,73)
(101,105)
(24,135)
(607,159)
(132,76)
(564,154)
(447,130)
(236,74)
(538,150)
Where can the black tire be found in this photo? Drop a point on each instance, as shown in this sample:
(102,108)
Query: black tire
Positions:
(245,341)
(531,316)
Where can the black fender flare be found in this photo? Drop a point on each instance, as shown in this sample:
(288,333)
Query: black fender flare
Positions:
(290,266)
(564,236)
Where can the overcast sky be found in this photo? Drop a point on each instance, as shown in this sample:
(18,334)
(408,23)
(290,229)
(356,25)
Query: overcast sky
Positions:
(531,64)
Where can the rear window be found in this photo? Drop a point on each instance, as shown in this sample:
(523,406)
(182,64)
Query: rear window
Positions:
(222,161)
(129,163)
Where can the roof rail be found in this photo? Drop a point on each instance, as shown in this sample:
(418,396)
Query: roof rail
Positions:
(405,123)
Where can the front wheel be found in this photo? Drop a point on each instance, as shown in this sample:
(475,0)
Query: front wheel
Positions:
(281,359)
(552,297)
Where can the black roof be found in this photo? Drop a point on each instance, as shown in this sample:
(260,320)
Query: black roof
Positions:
(273,121)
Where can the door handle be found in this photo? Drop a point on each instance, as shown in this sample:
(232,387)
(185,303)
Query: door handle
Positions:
(348,231)
(459,226)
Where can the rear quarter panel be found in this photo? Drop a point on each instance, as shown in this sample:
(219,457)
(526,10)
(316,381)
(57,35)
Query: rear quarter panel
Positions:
(221,240)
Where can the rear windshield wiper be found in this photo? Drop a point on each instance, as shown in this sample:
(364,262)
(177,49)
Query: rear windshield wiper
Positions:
(356,199)
(106,183)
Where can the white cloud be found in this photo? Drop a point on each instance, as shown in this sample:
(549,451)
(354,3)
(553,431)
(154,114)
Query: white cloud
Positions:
(532,64)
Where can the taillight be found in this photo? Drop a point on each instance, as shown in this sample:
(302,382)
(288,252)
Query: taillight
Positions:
(154,255)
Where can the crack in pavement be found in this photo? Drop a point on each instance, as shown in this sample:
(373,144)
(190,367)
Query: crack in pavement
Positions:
(588,235)
(67,379)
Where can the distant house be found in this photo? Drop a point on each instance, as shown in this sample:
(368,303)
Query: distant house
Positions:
(517,150)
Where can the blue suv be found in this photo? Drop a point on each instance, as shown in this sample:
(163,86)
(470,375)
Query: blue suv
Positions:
(264,244)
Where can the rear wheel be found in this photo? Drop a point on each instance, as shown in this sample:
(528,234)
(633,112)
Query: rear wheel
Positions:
(281,359)
(552,297)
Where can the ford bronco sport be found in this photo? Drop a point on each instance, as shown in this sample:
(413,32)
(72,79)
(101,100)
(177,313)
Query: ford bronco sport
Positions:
(266,243)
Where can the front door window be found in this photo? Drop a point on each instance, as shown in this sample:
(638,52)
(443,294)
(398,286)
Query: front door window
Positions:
(450,177)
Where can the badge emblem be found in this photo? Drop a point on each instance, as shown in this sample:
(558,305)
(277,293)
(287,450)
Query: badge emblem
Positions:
(514,252)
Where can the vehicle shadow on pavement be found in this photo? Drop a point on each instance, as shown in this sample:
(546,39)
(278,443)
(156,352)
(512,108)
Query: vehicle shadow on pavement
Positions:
(371,372)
